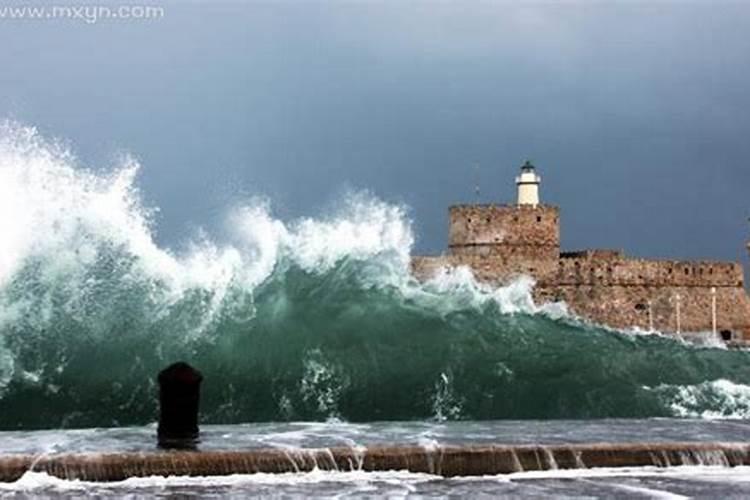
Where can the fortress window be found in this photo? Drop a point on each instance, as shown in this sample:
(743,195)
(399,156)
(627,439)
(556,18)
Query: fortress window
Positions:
(489,220)
(711,271)
(726,335)
(687,271)
(539,218)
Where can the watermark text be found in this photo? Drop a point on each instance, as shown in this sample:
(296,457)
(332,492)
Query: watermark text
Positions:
(89,14)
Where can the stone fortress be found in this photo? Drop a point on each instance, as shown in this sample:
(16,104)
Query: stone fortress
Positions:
(606,287)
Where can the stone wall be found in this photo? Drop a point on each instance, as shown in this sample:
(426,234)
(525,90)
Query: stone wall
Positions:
(630,306)
(639,272)
(623,293)
(589,272)
(520,239)
(503,229)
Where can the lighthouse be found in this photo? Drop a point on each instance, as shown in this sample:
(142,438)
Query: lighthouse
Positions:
(528,185)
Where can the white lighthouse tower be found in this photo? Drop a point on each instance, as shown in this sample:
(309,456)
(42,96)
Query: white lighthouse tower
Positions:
(528,185)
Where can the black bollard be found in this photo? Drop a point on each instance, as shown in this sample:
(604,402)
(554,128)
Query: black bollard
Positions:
(179,398)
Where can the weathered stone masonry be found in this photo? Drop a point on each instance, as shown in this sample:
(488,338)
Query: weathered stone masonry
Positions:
(501,242)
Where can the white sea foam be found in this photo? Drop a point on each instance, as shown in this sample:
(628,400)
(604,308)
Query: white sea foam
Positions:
(717,399)
(456,288)
(445,403)
(705,339)
(32,482)
(322,383)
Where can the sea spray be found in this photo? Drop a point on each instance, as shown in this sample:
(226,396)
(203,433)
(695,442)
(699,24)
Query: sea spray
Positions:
(711,399)
(303,320)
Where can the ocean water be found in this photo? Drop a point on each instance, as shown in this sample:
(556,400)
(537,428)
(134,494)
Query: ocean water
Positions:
(316,319)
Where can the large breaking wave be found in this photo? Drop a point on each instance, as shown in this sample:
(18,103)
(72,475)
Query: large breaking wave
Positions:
(308,319)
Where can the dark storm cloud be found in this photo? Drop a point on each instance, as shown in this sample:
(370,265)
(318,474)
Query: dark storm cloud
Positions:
(636,113)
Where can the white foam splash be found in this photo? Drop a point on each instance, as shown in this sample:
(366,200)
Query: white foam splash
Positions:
(717,399)
(49,201)
(39,481)
(52,206)
(446,405)
(322,383)
(456,288)
(363,228)
(367,482)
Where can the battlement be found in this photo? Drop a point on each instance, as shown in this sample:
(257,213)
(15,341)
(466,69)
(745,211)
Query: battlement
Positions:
(594,254)
(586,271)
(540,206)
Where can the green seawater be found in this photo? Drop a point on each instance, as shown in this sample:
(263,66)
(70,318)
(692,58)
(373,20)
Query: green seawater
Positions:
(320,346)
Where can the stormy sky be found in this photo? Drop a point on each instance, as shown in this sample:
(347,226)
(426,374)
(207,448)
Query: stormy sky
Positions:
(636,113)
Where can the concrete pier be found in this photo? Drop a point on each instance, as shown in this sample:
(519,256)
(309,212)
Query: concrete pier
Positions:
(448,461)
